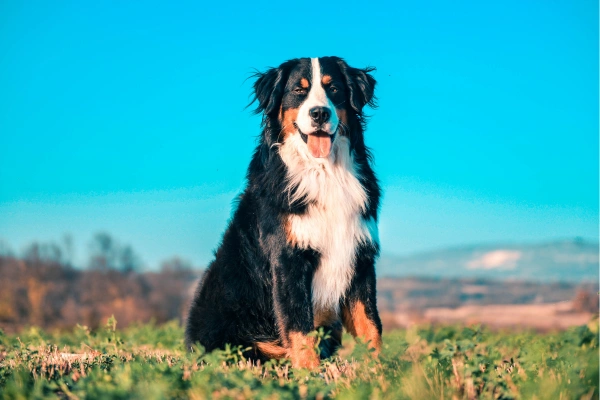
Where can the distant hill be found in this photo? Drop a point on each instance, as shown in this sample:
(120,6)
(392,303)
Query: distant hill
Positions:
(564,261)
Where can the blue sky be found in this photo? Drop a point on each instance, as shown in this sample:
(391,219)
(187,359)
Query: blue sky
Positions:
(129,117)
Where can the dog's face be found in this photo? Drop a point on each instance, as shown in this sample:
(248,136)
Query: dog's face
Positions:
(314,98)
(313,105)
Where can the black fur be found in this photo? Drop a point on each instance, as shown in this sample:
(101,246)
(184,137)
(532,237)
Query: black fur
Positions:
(258,288)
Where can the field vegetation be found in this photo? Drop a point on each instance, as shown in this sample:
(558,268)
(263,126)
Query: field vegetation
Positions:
(148,361)
(44,353)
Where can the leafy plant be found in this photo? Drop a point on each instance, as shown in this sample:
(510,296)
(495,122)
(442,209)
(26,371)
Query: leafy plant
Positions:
(150,362)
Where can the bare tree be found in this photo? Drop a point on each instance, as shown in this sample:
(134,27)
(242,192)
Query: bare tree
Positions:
(128,260)
(5,250)
(107,254)
(103,252)
(68,250)
(43,252)
(175,264)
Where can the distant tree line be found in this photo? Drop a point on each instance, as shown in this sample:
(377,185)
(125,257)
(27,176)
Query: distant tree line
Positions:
(42,287)
(105,253)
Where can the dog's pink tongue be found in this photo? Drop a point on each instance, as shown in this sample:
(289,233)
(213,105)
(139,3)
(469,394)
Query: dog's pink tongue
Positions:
(319,145)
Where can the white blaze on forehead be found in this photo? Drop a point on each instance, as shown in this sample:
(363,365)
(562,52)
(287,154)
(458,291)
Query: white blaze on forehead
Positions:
(317,94)
(317,97)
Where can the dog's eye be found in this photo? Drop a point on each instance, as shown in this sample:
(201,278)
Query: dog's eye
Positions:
(333,89)
(300,91)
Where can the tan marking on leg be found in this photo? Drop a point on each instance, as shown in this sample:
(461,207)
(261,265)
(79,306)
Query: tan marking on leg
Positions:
(359,325)
(302,351)
(326,79)
(272,349)
(304,83)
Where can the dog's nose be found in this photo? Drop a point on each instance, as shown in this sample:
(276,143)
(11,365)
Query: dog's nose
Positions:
(320,115)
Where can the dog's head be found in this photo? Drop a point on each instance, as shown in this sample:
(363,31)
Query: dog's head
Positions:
(316,99)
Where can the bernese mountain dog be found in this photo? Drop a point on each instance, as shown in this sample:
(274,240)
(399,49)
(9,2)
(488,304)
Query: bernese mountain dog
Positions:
(299,251)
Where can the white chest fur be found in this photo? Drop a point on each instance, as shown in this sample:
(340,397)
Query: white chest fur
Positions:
(333,224)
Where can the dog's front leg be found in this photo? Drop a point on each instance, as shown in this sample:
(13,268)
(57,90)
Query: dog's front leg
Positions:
(359,309)
(293,275)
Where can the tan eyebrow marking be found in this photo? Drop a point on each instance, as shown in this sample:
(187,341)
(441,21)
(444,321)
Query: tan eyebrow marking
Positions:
(304,83)
(326,80)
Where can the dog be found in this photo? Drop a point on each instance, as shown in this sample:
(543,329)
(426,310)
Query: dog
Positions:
(299,251)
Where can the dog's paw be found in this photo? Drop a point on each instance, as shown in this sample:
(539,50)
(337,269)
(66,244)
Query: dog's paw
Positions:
(303,351)
(305,358)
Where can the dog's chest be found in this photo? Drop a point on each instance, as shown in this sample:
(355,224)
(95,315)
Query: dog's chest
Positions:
(333,226)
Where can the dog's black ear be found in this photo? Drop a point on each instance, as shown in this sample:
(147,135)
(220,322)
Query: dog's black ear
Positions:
(361,86)
(268,88)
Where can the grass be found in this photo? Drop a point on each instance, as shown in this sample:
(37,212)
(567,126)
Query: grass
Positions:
(451,362)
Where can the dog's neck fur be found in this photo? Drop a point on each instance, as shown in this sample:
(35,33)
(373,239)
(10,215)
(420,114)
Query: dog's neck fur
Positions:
(333,223)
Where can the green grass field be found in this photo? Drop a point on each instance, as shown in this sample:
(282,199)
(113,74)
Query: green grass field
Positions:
(149,362)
